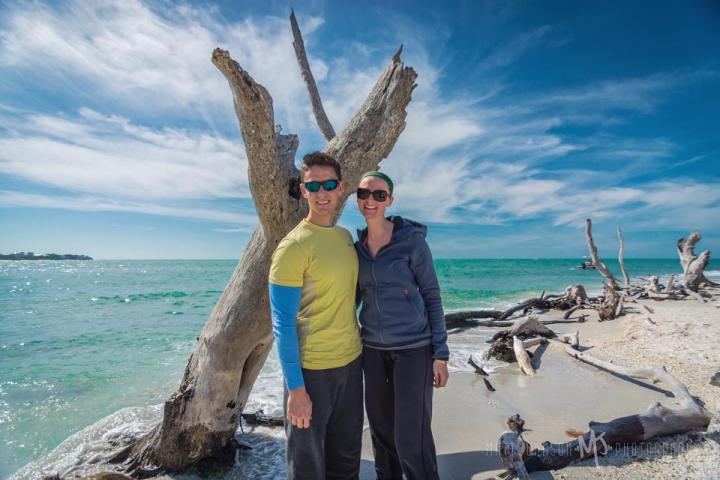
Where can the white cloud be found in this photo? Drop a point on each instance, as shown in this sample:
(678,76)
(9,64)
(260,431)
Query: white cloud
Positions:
(98,204)
(140,58)
(110,156)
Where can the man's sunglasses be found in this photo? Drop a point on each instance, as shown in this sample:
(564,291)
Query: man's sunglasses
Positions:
(327,185)
(378,195)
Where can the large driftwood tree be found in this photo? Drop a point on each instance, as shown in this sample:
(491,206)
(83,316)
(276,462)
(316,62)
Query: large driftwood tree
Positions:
(201,417)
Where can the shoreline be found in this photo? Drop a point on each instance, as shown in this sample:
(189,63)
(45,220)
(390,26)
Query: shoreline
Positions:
(471,418)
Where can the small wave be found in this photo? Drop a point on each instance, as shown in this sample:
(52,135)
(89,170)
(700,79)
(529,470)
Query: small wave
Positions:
(82,453)
(137,297)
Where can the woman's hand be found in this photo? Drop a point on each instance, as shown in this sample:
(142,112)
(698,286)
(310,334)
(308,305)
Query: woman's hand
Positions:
(440,373)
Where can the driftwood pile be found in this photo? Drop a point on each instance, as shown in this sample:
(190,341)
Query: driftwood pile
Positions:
(601,437)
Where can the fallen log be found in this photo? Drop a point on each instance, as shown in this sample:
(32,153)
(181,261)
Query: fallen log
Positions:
(521,306)
(455,319)
(259,418)
(657,420)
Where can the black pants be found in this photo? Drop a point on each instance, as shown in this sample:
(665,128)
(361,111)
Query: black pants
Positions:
(398,401)
(330,448)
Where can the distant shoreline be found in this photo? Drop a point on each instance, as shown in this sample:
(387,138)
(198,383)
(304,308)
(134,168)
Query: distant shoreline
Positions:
(43,256)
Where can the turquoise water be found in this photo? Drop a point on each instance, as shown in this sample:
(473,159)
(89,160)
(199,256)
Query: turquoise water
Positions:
(81,340)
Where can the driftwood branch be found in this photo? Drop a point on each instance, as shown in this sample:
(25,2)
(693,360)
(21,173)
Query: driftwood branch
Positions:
(522,357)
(372,132)
(299,45)
(692,264)
(514,449)
(600,266)
(657,420)
(520,306)
(621,259)
(270,155)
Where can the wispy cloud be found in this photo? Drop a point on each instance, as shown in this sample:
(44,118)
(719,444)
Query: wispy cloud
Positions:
(111,156)
(89,203)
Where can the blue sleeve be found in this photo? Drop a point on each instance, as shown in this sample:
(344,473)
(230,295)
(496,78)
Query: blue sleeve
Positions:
(426,278)
(284,305)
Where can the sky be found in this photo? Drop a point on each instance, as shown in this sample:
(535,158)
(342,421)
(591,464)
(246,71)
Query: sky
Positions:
(118,138)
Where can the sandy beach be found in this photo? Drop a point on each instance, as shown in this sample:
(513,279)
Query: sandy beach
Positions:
(566,394)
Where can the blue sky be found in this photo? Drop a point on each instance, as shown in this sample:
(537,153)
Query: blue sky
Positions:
(118,138)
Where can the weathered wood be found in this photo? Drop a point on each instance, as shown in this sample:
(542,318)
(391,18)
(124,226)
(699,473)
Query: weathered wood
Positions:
(520,306)
(610,302)
(656,421)
(573,339)
(201,417)
(455,319)
(514,449)
(600,266)
(533,342)
(693,275)
(259,418)
(299,45)
(670,287)
(530,325)
(620,304)
(621,259)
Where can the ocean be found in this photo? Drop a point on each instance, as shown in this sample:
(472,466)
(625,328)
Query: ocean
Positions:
(91,347)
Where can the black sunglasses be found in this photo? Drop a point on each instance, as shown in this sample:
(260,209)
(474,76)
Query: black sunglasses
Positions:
(378,195)
(327,185)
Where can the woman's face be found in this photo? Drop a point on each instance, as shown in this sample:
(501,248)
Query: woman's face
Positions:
(371,208)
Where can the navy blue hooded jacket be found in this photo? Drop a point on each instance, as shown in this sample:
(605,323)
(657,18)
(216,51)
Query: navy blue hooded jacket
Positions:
(399,291)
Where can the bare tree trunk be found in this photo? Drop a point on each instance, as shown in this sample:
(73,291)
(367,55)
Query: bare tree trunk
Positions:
(600,266)
(621,259)
(611,303)
(201,417)
(693,265)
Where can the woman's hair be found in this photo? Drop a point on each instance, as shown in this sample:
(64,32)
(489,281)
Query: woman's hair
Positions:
(319,159)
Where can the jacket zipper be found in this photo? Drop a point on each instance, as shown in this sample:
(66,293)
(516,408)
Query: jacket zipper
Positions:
(377,301)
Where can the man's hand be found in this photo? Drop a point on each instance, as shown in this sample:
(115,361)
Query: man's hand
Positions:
(440,373)
(299,407)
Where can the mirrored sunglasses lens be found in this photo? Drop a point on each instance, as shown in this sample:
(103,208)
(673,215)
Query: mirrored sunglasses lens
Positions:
(312,186)
(330,185)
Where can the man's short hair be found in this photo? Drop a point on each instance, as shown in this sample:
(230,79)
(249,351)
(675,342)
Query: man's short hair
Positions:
(319,159)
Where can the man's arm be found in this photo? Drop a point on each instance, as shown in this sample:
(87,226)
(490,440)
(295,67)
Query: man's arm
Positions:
(284,305)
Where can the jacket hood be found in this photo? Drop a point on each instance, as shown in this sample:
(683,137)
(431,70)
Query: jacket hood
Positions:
(404,229)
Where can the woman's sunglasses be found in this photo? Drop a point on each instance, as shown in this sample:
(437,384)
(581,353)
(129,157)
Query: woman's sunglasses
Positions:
(327,185)
(378,195)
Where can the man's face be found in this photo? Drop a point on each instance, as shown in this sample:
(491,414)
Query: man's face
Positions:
(321,203)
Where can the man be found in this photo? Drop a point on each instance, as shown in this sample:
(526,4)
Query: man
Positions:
(313,278)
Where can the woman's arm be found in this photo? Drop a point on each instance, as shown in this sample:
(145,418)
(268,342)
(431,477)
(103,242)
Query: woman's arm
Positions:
(426,278)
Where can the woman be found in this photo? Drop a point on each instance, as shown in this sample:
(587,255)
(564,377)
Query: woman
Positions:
(403,331)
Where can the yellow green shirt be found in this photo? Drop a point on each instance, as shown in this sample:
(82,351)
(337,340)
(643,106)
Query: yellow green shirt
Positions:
(321,260)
